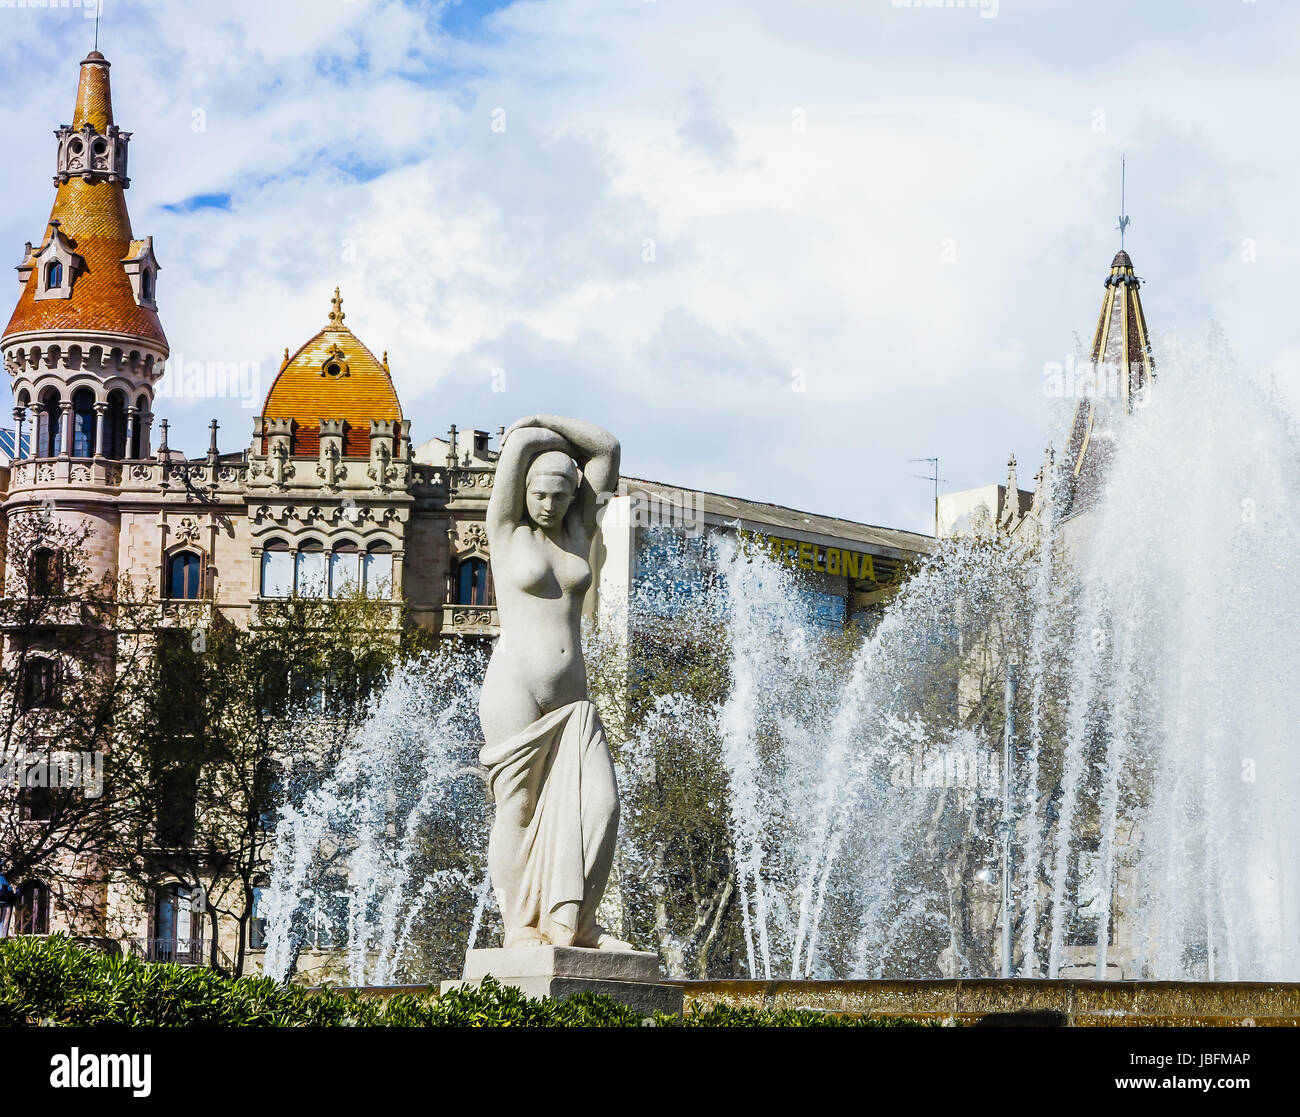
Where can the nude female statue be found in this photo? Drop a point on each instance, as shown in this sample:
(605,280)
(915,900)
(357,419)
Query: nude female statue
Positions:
(549,768)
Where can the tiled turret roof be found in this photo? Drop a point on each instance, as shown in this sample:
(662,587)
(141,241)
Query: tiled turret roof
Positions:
(90,211)
(333,376)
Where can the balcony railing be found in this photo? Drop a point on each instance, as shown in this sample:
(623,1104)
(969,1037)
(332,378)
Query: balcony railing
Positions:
(184,952)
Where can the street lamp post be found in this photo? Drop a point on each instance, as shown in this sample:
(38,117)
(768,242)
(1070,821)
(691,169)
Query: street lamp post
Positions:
(1008,824)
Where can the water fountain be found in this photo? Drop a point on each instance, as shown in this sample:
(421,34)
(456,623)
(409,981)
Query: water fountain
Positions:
(1156,797)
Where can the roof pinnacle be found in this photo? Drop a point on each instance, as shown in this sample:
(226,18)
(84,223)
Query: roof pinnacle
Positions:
(336,313)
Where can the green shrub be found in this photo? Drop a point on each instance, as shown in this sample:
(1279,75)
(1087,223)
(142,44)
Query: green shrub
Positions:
(54,982)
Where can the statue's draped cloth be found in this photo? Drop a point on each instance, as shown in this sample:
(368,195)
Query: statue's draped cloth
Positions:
(556,823)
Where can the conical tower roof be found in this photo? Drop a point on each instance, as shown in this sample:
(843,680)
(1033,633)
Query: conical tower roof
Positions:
(90,220)
(1121,359)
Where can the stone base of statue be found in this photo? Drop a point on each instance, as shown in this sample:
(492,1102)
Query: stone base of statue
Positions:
(630,977)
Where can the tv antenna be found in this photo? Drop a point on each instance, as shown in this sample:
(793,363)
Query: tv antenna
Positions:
(1124,219)
(934,478)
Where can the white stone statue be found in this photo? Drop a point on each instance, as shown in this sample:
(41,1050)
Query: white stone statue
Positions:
(549,768)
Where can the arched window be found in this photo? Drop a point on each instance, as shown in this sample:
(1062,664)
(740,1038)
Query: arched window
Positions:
(53,275)
(141,425)
(49,428)
(146,285)
(310,570)
(83,423)
(345,570)
(183,576)
(45,573)
(377,571)
(277,569)
(473,582)
(113,438)
(32,912)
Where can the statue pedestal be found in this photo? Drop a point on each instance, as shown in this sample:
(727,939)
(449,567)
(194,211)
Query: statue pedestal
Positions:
(630,977)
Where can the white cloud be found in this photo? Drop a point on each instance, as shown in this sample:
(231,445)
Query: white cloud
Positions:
(912,206)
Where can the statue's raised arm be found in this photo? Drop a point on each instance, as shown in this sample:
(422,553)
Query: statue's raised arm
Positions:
(534,446)
(549,768)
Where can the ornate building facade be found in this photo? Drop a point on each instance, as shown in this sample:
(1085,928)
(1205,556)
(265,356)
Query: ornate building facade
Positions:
(330,495)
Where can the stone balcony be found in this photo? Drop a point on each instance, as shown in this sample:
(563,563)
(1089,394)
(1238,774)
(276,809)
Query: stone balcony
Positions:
(184,613)
(470,620)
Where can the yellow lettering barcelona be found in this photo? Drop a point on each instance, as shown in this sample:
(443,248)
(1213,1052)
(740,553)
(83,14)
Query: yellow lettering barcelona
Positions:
(837,561)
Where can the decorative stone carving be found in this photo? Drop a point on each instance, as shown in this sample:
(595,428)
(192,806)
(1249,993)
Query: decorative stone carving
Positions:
(473,537)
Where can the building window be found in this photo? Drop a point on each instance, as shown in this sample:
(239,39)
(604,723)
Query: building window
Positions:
(277,570)
(473,582)
(183,576)
(327,918)
(176,935)
(53,275)
(257,919)
(177,803)
(377,571)
(32,912)
(45,578)
(345,570)
(83,423)
(39,683)
(146,286)
(113,438)
(35,804)
(310,570)
(49,428)
(141,425)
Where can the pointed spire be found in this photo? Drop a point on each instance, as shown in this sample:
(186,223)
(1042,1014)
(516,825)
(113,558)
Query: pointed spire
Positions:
(94,98)
(1043,483)
(1011,502)
(1121,374)
(336,311)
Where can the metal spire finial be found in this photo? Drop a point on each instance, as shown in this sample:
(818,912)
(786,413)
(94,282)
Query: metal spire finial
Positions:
(1124,219)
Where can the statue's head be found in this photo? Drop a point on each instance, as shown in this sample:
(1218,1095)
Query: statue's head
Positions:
(551,485)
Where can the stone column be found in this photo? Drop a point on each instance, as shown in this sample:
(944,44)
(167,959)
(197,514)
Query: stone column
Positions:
(20,417)
(97,447)
(396,589)
(132,417)
(65,420)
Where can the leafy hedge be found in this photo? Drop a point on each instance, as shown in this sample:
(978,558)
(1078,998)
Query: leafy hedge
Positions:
(53,982)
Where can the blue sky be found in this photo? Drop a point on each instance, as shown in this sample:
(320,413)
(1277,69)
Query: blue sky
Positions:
(665,215)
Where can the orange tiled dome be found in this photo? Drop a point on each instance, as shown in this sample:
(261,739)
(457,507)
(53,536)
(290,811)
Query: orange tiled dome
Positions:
(333,376)
(92,215)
